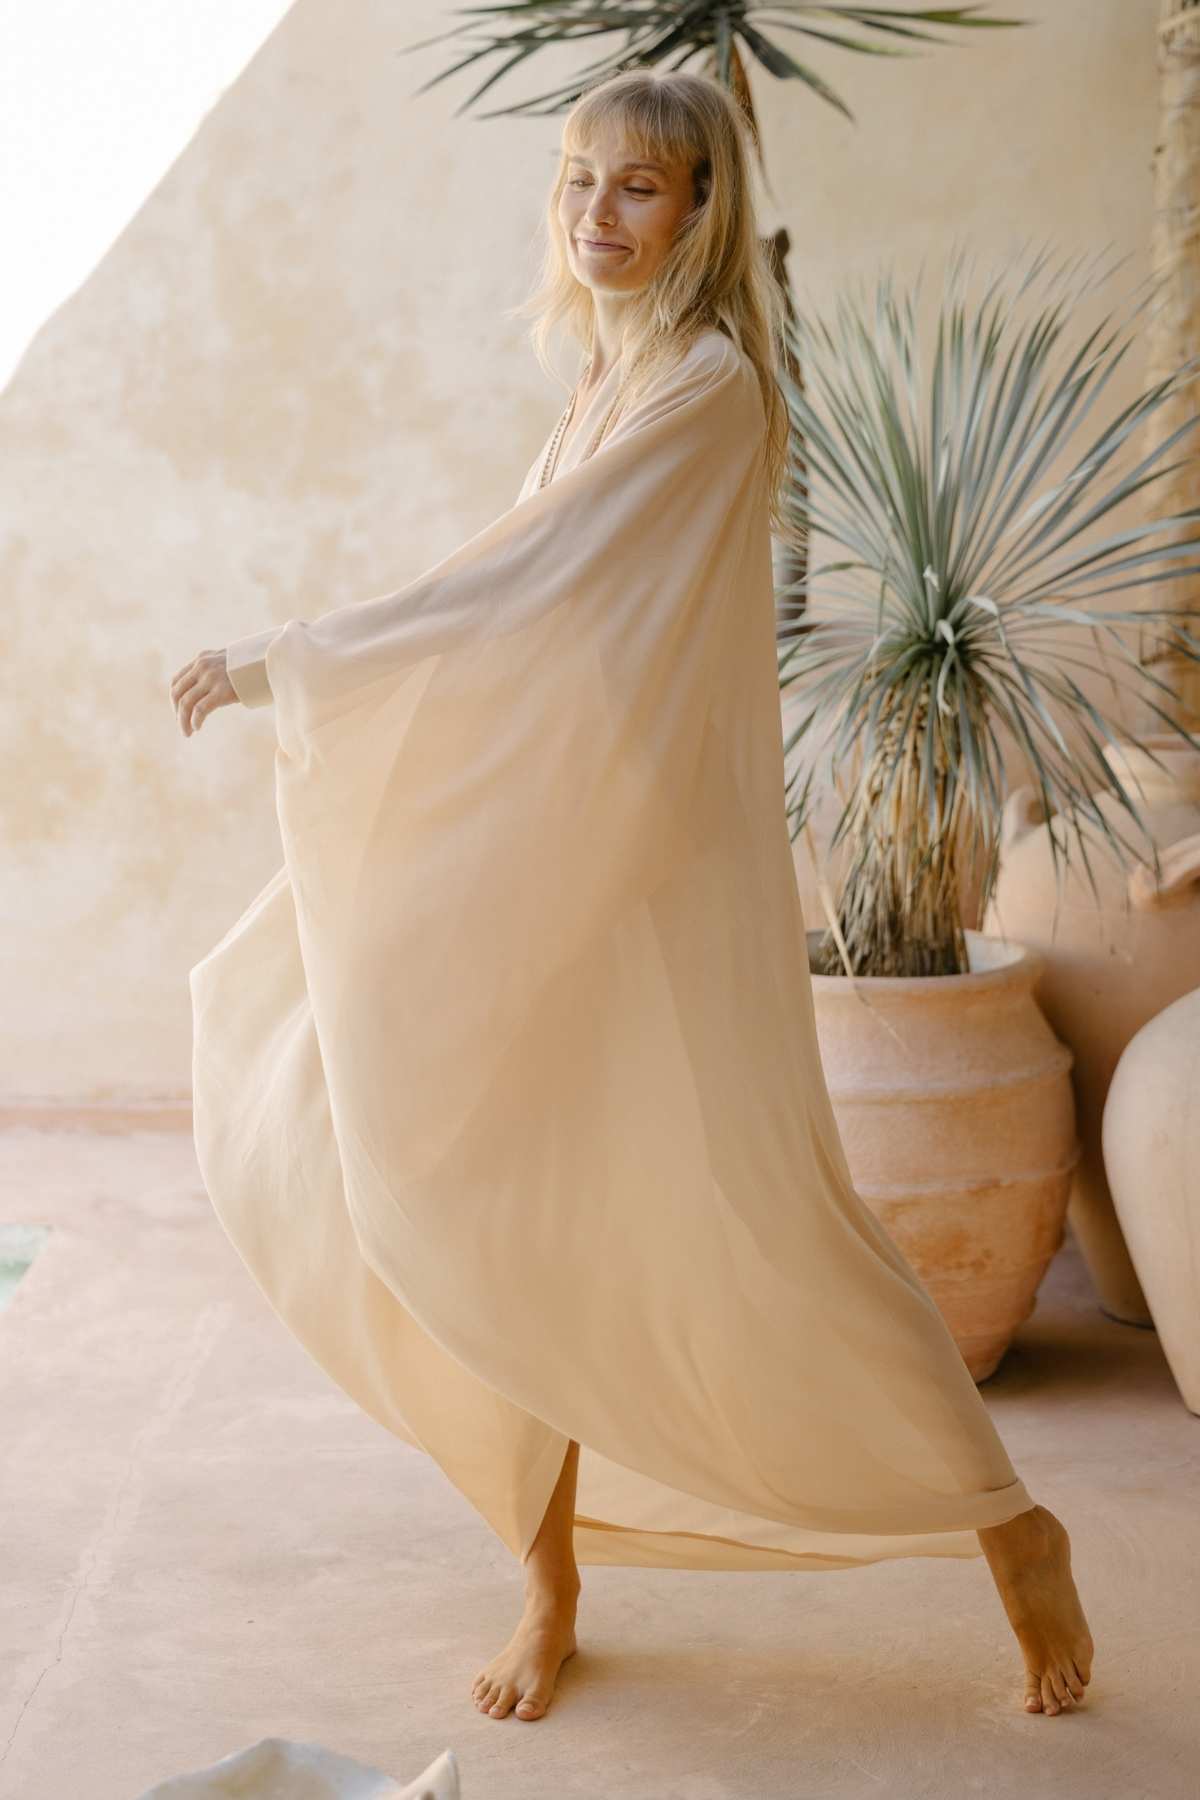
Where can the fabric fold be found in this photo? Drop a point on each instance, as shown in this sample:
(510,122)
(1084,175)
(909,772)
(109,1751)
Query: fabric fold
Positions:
(507,1087)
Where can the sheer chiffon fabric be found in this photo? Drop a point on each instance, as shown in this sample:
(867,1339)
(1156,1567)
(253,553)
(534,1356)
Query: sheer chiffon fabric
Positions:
(507,1086)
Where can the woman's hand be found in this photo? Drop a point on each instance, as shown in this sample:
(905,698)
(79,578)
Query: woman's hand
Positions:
(199,688)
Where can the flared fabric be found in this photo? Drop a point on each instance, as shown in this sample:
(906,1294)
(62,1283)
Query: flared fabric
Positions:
(507,1086)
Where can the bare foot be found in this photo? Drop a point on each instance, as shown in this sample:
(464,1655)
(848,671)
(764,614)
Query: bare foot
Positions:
(1030,1560)
(524,1673)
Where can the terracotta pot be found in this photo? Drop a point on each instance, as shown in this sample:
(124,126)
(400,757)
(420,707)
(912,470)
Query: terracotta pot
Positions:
(1151,1143)
(953,1099)
(1111,965)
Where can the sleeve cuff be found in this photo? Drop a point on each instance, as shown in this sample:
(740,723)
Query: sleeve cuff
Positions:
(246,666)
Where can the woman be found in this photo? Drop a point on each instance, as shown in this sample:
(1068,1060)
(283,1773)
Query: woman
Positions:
(507,1086)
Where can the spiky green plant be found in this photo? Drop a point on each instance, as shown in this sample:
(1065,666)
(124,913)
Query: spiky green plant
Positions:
(973,517)
(671,32)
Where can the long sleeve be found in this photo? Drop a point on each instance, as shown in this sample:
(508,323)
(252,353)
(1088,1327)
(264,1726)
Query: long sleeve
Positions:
(670,467)
(479,770)
(696,428)
(246,666)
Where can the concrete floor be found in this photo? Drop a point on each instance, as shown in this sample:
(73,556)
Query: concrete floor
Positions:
(207,1544)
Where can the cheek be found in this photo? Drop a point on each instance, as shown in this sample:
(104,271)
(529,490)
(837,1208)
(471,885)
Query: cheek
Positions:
(659,229)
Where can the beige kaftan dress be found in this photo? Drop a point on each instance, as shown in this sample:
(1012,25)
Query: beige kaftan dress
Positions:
(507,1087)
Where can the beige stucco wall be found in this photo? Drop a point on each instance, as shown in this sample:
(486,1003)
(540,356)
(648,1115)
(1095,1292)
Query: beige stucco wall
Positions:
(290,384)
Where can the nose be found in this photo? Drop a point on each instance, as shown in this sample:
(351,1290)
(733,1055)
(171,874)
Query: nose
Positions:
(600,213)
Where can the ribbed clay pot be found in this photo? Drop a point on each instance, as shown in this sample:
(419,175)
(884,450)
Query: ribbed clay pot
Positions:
(1110,965)
(953,1099)
(1151,1142)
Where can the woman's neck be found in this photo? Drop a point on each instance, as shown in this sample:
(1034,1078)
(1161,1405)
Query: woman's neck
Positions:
(608,325)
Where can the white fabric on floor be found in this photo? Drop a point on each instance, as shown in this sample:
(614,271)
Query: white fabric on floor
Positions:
(281,1769)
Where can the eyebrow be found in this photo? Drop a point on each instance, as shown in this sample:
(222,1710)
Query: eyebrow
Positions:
(657,167)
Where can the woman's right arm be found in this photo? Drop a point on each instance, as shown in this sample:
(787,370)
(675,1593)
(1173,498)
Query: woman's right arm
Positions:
(626,530)
(246,667)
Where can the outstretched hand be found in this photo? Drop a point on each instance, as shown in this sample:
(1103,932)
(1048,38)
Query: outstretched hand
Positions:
(199,688)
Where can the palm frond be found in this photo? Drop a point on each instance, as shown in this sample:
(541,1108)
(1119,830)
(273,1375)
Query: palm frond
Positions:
(654,30)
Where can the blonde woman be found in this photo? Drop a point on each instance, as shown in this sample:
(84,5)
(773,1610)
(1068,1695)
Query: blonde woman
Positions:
(507,1086)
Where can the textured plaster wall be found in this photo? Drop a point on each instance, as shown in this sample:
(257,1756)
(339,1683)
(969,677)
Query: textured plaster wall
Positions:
(289,384)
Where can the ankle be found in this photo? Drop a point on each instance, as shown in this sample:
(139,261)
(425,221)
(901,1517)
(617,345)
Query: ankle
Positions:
(552,1594)
(1033,1533)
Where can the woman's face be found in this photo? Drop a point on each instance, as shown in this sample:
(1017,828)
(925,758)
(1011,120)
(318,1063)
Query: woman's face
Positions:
(612,197)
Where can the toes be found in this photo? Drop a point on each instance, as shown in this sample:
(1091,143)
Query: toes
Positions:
(532,1706)
(1054,1690)
(485,1695)
(503,1702)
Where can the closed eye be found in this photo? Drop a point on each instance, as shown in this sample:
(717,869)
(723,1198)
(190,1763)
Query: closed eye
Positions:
(581,181)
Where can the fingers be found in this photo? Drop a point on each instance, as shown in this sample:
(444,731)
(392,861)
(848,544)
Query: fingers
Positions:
(190,708)
(194,690)
(184,677)
(185,692)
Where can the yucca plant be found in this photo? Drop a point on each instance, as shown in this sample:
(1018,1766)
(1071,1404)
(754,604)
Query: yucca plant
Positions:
(972,516)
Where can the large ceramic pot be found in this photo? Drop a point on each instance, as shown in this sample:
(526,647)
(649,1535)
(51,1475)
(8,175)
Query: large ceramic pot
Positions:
(1112,964)
(1151,1143)
(952,1096)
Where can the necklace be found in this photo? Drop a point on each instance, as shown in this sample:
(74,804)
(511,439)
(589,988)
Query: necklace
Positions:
(551,457)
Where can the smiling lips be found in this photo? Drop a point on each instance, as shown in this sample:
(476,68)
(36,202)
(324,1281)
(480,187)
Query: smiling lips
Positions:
(598,244)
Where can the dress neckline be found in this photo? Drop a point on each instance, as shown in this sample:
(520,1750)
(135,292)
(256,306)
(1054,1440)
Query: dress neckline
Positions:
(562,453)
(587,428)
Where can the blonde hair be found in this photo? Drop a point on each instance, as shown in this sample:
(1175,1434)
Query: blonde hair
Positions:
(716,272)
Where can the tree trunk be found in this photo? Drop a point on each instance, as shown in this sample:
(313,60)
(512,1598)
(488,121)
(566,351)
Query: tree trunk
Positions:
(1173,328)
(789,560)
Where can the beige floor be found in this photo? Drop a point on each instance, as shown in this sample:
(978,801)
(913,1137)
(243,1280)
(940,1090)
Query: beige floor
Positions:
(207,1544)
